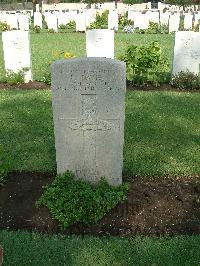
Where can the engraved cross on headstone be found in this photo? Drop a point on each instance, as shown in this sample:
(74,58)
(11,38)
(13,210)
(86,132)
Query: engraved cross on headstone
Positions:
(89,124)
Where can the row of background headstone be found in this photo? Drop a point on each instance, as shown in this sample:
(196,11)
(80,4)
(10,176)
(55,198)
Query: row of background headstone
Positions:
(99,43)
(84,19)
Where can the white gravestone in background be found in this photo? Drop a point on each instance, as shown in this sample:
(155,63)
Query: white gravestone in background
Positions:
(38,19)
(37,8)
(113,20)
(154,16)
(16,48)
(142,21)
(174,21)
(52,22)
(88,98)
(80,22)
(164,18)
(196,18)
(12,21)
(188,21)
(100,43)
(23,21)
(186,52)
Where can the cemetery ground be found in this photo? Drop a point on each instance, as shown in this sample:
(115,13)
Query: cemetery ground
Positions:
(161,164)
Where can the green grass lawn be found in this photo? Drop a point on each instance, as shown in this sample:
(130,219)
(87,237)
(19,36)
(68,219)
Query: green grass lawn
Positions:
(162,132)
(44,44)
(22,248)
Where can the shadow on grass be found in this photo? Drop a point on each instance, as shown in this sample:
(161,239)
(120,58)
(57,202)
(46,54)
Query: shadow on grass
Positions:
(162,132)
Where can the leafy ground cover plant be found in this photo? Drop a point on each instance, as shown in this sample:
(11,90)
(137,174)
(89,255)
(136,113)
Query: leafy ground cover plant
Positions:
(145,64)
(101,21)
(37,29)
(4,26)
(71,201)
(14,78)
(5,166)
(186,80)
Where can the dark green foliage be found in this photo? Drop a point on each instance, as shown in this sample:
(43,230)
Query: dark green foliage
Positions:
(37,29)
(71,201)
(153,28)
(71,25)
(101,21)
(4,26)
(145,64)
(186,80)
(124,21)
(5,165)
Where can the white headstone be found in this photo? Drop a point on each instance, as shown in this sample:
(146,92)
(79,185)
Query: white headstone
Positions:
(186,52)
(188,21)
(100,43)
(141,21)
(80,22)
(174,21)
(88,97)
(37,8)
(38,19)
(12,21)
(23,21)
(16,48)
(52,22)
(164,18)
(113,20)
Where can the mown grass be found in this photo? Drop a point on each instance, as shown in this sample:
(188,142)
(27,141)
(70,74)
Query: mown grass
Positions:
(44,44)
(21,248)
(162,132)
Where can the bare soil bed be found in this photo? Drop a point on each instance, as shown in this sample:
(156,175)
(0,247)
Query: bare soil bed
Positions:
(37,85)
(155,207)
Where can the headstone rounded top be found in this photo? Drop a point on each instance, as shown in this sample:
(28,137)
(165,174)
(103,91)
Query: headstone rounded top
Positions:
(87,60)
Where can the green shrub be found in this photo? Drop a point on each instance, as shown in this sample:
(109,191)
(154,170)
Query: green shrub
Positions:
(63,27)
(145,64)
(71,25)
(186,80)
(46,77)
(71,201)
(153,28)
(101,21)
(51,31)
(4,26)
(124,21)
(37,29)
(5,166)
(14,78)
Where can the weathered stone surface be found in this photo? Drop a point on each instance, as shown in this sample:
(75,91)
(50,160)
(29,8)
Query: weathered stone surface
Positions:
(88,108)
(186,52)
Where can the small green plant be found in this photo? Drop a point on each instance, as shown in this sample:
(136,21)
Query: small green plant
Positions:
(186,80)
(51,31)
(164,29)
(14,78)
(145,64)
(37,29)
(124,21)
(5,165)
(63,27)
(101,21)
(71,201)
(71,25)
(4,26)
(153,28)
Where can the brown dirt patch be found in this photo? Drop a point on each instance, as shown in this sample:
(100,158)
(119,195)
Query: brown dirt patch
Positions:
(37,85)
(154,207)
(31,85)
